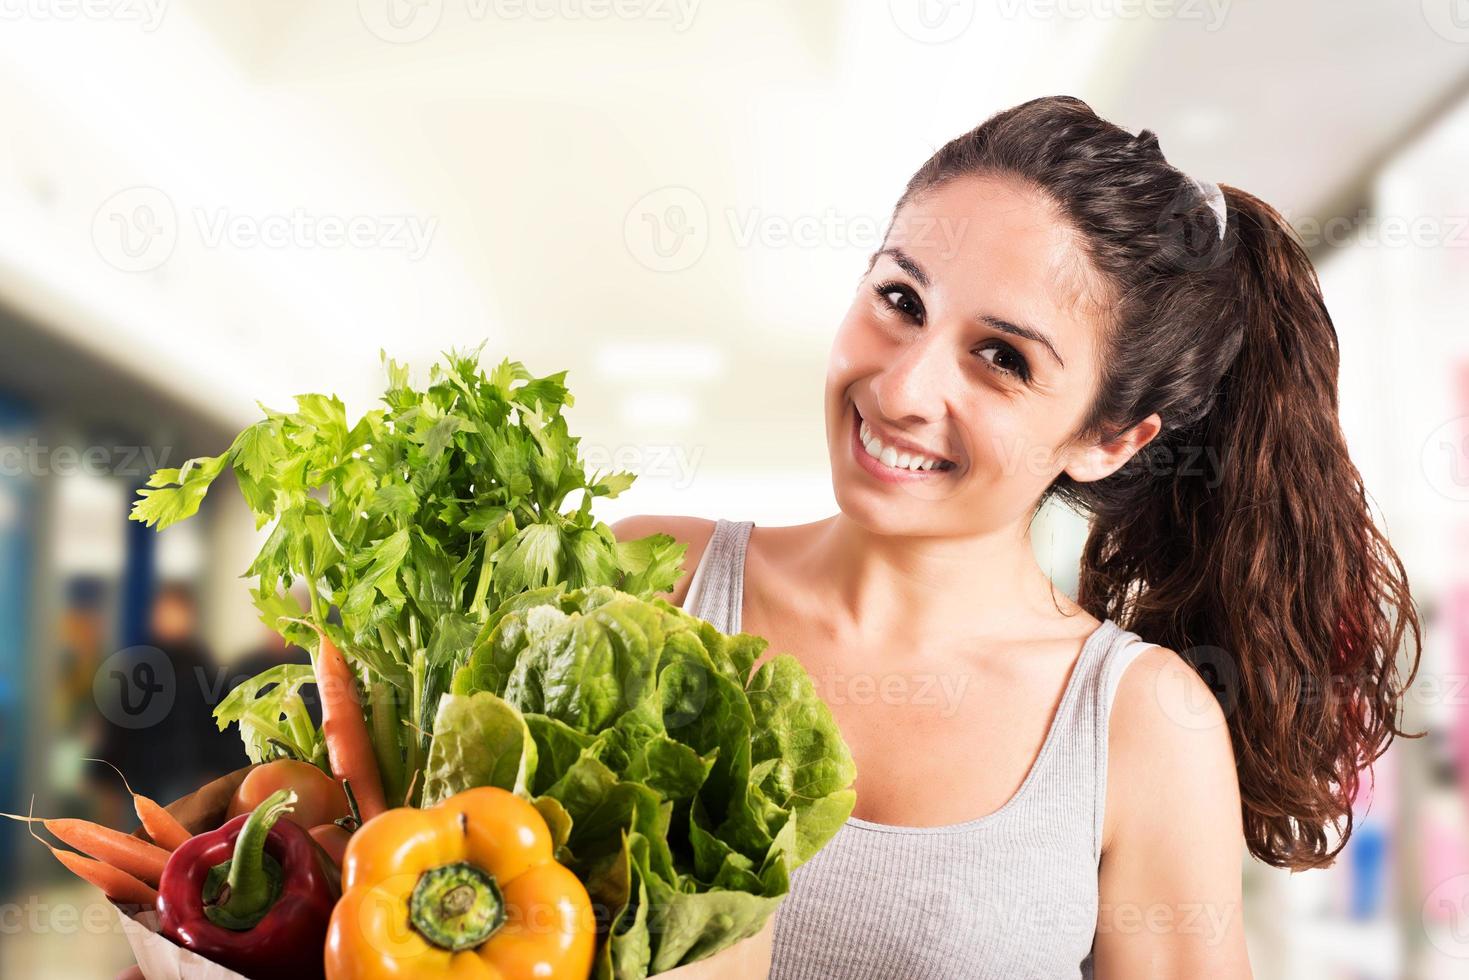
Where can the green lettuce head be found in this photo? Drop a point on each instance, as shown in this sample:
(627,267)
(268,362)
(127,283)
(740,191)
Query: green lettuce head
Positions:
(680,784)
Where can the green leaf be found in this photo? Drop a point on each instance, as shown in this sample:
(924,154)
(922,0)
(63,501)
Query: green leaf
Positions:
(169,504)
(479,740)
(529,560)
(650,565)
(269,710)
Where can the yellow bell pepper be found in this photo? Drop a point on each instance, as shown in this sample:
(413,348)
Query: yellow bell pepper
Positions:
(467,888)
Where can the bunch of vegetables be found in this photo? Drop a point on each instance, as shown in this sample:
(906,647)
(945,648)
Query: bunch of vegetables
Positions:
(512,723)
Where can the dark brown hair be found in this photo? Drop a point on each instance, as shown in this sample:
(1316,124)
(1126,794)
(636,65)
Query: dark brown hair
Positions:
(1241,535)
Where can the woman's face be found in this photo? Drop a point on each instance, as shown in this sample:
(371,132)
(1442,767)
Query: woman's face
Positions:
(965,362)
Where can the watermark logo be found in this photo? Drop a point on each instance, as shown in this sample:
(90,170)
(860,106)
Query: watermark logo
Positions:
(932,21)
(136,229)
(1446,917)
(401,21)
(135,687)
(1445,459)
(1189,236)
(667,230)
(1198,711)
(1449,19)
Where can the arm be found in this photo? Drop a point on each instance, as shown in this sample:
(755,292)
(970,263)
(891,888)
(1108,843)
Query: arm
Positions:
(692,531)
(1173,838)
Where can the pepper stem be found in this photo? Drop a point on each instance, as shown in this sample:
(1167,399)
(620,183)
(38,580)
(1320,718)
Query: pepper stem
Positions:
(251,879)
(456,906)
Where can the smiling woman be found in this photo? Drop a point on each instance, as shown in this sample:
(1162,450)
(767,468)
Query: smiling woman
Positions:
(1056,313)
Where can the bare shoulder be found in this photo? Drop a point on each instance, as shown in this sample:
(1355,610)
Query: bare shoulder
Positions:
(1176,841)
(693,532)
(1168,739)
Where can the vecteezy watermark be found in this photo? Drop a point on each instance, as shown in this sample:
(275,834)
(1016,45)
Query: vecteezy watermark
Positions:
(35,916)
(1449,19)
(832,229)
(137,230)
(1445,459)
(674,462)
(147,14)
(137,687)
(669,229)
(35,459)
(1367,229)
(892,687)
(1211,13)
(408,21)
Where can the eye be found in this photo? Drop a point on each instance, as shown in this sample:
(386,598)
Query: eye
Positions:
(899,298)
(1007,361)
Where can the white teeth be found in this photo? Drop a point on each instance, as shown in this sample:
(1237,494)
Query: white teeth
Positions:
(890,456)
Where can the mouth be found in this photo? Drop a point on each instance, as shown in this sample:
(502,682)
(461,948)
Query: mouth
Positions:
(891,460)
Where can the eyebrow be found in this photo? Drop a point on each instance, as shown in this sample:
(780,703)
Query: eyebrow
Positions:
(906,262)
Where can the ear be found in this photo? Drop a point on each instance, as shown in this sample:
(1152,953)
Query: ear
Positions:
(1090,463)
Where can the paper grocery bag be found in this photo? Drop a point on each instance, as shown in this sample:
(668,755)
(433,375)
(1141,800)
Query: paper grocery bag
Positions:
(205,809)
(748,958)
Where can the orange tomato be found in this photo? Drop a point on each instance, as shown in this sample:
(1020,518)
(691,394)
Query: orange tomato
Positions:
(319,798)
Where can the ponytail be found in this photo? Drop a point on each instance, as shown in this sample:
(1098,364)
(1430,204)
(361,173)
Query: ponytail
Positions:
(1264,569)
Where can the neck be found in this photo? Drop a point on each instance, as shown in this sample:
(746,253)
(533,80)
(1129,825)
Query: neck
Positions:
(972,588)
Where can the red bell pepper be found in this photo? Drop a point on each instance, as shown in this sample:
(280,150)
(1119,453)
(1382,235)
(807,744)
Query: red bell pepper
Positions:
(254,895)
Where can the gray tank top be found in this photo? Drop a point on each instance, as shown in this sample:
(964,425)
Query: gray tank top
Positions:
(1011,895)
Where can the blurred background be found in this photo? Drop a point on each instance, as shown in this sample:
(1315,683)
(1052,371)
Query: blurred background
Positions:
(209,203)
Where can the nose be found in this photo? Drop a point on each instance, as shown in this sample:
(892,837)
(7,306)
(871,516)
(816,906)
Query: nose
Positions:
(911,388)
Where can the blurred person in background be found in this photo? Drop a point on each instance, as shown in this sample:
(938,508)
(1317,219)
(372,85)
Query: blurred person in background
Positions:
(175,746)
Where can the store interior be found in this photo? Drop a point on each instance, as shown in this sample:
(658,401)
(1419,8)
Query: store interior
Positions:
(174,187)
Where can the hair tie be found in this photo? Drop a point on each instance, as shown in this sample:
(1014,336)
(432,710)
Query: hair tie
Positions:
(1214,197)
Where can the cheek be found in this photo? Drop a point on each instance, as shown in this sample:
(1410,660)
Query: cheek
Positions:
(1011,445)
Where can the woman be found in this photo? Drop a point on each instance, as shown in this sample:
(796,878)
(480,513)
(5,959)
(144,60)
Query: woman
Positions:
(1048,788)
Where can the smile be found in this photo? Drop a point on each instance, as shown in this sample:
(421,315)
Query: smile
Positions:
(890,460)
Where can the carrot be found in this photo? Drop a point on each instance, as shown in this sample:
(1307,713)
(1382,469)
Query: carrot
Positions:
(343,727)
(115,884)
(124,852)
(161,825)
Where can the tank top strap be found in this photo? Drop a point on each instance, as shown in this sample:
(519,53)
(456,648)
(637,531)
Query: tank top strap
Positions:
(1066,790)
(717,590)
(1116,658)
